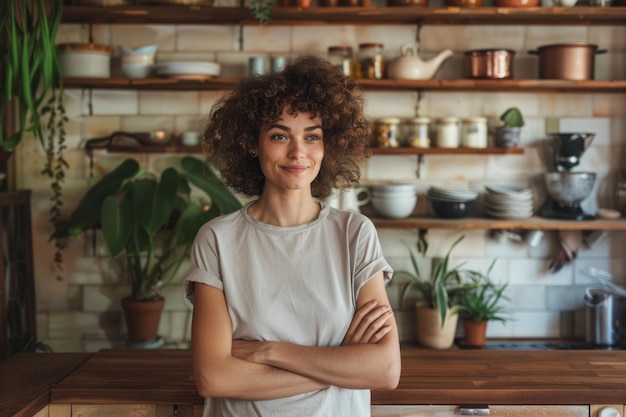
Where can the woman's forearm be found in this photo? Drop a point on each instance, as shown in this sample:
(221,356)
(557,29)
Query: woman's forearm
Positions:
(235,378)
(364,366)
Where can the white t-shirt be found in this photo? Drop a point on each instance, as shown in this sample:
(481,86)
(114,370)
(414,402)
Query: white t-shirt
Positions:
(292,284)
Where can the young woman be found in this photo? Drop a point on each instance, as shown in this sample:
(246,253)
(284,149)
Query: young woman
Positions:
(291,317)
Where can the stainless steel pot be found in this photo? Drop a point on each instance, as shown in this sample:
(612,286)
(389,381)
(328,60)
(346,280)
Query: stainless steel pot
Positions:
(567,61)
(605,316)
(490,63)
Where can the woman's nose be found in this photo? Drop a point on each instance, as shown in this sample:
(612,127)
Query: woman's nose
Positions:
(296,149)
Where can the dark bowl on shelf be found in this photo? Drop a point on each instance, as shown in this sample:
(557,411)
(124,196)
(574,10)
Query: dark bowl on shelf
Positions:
(451,209)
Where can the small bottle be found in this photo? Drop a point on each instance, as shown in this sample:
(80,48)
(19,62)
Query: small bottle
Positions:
(371,62)
(387,132)
(474,132)
(340,56)
(448,132)
(417,133)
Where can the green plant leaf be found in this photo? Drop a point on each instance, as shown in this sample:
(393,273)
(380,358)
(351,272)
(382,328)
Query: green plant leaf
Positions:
(512,117)
(87,212)
(200,175)
(116,225)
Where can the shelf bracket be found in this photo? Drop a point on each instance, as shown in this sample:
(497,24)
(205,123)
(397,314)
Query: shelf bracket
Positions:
(420,162)
(420,97)
(418,36)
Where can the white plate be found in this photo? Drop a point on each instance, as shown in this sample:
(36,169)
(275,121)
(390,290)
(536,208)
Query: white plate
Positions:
(182,68)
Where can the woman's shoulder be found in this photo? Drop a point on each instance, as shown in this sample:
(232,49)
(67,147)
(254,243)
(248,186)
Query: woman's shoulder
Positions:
(349,218)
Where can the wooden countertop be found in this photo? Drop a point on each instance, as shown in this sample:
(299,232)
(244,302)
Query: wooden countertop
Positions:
(449,377)
(26,379)
(29,381)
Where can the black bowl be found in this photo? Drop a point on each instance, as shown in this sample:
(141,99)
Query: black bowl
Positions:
(451,209)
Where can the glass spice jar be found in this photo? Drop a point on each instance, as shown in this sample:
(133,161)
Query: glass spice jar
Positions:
(417,133)
(341,57)
(474,132)
(386,131)
(371,61)
(448,132)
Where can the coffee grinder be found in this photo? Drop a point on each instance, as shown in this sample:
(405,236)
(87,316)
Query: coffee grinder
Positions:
(567,188)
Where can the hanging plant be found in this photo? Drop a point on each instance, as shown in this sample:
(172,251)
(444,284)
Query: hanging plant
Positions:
(261,10)
(32,85)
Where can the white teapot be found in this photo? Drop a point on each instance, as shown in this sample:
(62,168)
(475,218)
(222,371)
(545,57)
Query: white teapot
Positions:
(409,66)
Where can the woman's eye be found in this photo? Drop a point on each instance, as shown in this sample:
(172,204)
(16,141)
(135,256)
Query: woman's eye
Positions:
(278,136)
(314,138)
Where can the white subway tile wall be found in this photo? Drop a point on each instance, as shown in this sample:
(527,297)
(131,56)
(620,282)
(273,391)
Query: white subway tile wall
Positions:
(81,312)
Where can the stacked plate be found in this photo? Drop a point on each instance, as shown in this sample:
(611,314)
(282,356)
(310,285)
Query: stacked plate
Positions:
(451,203)
(508,202)
(192,70)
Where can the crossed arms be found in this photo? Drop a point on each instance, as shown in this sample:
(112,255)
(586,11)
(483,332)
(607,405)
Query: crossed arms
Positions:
(369,357)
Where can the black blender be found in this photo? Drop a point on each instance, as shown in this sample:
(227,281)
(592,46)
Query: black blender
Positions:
(566,188)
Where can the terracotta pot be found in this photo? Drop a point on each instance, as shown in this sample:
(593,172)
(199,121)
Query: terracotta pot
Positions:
(142,319)
(475,333)
(430,333)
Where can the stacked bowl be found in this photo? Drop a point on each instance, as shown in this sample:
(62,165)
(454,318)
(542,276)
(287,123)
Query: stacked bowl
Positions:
(508,202)
(451,203)
(137,63)
(394,200)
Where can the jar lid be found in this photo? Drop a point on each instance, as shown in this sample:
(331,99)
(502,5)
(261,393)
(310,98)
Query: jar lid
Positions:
(475,120)
(389,120)
(448,120)
(339,48)
(370,45)
(85,47)
(418,120)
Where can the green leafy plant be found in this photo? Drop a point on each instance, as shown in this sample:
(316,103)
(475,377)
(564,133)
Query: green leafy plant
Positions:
(483,302)
(443,288)
(150,222)
(512,117)
(32,87)
(261,10)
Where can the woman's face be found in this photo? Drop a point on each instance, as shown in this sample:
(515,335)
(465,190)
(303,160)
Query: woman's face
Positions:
(291,152)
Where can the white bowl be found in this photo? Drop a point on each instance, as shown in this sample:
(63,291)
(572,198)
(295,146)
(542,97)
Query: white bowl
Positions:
(136,70)
(395,208)
(138,59)
(142,50)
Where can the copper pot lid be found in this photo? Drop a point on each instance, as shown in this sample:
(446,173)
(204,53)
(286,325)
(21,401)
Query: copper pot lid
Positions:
(490,50)
(85,47)
(569,45)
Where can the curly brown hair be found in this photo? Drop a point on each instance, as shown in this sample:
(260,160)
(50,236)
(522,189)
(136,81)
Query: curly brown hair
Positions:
(310,85)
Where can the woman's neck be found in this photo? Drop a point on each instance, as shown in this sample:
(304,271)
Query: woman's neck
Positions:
(285,210)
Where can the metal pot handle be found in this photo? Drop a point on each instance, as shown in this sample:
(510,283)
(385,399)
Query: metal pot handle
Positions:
(533,52)
(602,51)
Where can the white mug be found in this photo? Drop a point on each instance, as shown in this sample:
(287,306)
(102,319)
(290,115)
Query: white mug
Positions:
(349,199)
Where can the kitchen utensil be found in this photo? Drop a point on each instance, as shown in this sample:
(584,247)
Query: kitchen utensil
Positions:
(568,189)
(567,61)
(604,278)
(85,60)
(604,316)
(350,199)
(516,3)
(490,63)
(410,66)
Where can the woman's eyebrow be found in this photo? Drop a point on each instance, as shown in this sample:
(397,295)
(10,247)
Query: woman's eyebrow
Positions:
(288,129)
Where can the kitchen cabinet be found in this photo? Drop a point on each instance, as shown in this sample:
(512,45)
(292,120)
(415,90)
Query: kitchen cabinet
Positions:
(375,15)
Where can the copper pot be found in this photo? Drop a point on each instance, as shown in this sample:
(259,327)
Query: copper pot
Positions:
(567,61)
(490,63)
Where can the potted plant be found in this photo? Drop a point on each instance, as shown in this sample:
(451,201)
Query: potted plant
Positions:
(150,223)
(436,313)
(480,305)
(508,135)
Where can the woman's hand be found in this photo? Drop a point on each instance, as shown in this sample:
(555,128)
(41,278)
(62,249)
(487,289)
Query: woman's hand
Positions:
(368,324)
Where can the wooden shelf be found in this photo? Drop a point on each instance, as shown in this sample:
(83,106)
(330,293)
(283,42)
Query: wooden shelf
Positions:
(218,83)
(347,15)
(447,151)
(475,223)
(375,151)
